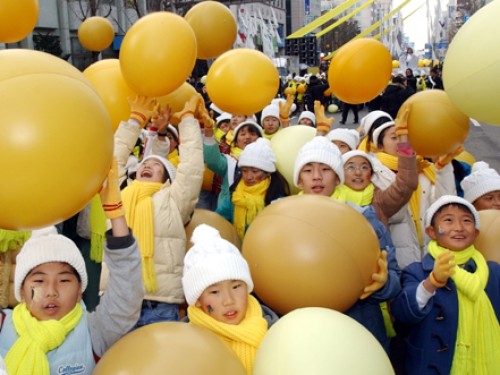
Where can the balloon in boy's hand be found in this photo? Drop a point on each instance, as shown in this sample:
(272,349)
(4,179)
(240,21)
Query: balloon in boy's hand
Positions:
(96,33)
(489,235)
(57,140)
(170,347)
(17,19)
(435,126)
(242,81)
(360,70)
(308,250)
(108,81)
(214,26)
(177,99)
(158,53)
(320,341)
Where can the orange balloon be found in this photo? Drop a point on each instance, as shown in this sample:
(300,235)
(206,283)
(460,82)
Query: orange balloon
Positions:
(107,79)
(395,64)
(177,99)
(225,228)
(290,90)
(242,81)
(324,257)
(57,140)
(96,33)
(173,347)
(360,71)
(214,26)
(435,126)
(17,19)
(488,241)
(301,88)
(158,54)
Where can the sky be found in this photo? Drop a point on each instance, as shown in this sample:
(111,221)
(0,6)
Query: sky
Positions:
(416,25)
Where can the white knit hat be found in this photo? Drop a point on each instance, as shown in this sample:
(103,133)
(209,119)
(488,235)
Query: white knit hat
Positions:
(245,123)
(449,199)
(168,165)
(369,119)
(174,131)
(348,136)
(319,150)
(223,117)
(45,246)
(350,154)
(379,130)
(270,111)
(211,259)
(481,181)
(258,154)
(309,115)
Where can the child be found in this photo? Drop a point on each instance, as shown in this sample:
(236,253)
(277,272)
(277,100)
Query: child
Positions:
(258,184)
(482,187)
(217,285)
(50,330)
(270,120)
(307,118)
(345,139)
(451,300)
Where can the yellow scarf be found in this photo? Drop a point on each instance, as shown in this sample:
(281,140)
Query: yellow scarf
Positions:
(244,339)
(97,229)
(236,151)
(248,202)
(139,213)
(28,355)
(423,166)
(218,134)
(173,157)
(12,239)
(478,335)
(230,136)
(362,198)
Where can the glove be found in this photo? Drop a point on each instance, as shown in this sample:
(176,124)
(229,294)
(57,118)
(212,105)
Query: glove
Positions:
(323,123)
(285,107)
(111,198)
(204,116)
(446,159)
(444,268)
(379,278)
(190,108)
(401,122)
(142,108)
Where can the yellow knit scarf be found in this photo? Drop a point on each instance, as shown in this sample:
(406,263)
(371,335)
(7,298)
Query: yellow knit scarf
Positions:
(173,157)
(28,355)
(139,213)
(248,202)
(244,338)
(218,134)
(236,151)
(423,166)
(97,229)
(478,336)
(362,198)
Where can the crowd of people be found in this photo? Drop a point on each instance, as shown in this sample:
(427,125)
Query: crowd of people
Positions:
(121,263)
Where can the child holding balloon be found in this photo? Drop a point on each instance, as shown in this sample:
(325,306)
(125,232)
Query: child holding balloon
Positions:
(451,299)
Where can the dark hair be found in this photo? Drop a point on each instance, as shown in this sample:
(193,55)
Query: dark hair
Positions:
(459,205)
(252,129)
(378,122)
(278,187)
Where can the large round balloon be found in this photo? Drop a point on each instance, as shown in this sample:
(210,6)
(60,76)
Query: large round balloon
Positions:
(489,236)
(57,139)
(158,54)
(308,250)
(96,33)
(107,79)
(17,19)
(225,228)
(177,99)
(242,81)
(214,26)
(173,347)
(360,70)
(474,88)
(320,341)
(435,126)
(286,145)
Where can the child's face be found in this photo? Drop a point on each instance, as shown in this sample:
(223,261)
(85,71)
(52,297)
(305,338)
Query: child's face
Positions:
(224,126)
(225,301)
(245,137)
(271,124)
(307,122)
(51,290)
(252,176)
(318,178)
(343,147)
(236,120)
(454,228)
(358,173)
(488,201)
(390,141)
(152,170)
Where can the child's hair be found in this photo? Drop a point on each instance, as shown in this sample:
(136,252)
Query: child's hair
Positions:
(45,246)
(278,187)
(210,260)
(169,167)
(372,121)
(252,128)
(449,200)
(377,136)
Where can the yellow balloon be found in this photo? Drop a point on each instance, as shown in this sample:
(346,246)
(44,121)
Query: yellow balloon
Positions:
(421,63)
(290,90)
(242,81)
(489,236)
(474,88)
(466,157)
(320,341)
(395,64)
(286,144)
(214,26)
(96,33)
(158,54)
(57,140)
(333,108)
(301,88)
(177,99)
(360,71)
(17,19)
(108,81)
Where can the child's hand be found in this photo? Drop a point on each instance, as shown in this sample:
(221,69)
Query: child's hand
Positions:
(444,268)
(142,108)
(379,278)
(111,198)
(323,123)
